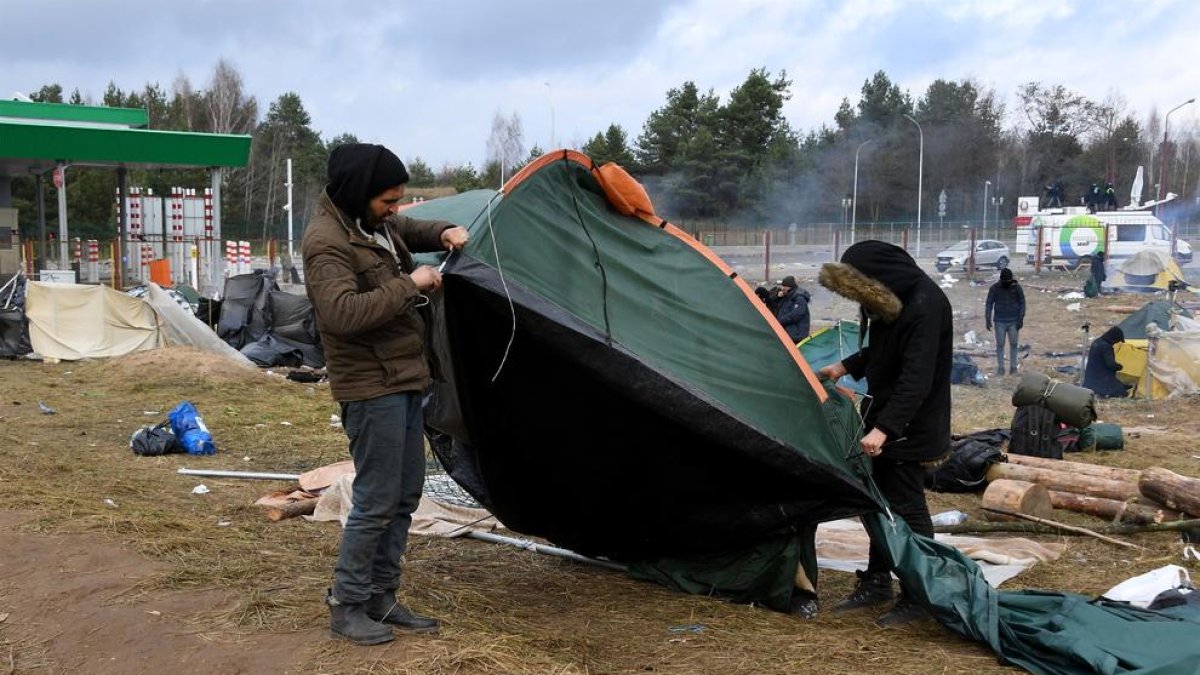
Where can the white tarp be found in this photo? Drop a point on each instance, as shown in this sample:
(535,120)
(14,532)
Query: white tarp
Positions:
(74,321)
(181,328)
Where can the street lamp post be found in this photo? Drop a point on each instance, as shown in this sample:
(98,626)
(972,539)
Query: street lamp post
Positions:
(986,185)
(920,179)
(854,198)
(1162,156)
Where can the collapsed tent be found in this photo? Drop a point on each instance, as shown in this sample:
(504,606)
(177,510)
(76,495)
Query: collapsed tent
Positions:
(269,326)
(612,386)
(1174,369)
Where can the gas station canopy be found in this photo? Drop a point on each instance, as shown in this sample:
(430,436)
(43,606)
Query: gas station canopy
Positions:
(36,137)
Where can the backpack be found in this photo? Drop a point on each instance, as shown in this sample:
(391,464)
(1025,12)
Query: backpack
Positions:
(1035,431)
(970,458)
(155,440)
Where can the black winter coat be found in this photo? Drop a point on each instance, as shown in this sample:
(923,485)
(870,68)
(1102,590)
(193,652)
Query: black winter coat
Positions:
(1004,304)
(1101,373)
(907,360)
(793,315)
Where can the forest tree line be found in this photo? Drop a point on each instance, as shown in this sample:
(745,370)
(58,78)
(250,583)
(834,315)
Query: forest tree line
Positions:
(732,159)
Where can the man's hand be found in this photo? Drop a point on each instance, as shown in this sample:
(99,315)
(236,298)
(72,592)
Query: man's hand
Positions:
(832,372)
(987,326)
(427,278)
(454,238)
(872,443)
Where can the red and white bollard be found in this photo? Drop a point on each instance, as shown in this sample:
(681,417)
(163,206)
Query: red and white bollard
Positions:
(93,261)
(231,258)
(243,257)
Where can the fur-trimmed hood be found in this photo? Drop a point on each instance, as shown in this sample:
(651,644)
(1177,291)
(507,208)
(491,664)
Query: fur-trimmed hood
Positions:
(877,275)
(848,282)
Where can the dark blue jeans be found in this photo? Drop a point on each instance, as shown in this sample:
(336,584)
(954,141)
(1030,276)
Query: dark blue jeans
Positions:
(1006,329)
(388,449)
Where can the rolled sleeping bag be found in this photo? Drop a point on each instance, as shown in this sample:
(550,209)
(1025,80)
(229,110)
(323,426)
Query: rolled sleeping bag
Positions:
(1072,404)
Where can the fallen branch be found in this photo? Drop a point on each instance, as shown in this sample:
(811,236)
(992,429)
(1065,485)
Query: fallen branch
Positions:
(981,527)
(300,507)
(1068,528)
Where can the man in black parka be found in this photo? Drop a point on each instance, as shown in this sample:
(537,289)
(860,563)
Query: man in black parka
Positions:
(791,308)
(906,358)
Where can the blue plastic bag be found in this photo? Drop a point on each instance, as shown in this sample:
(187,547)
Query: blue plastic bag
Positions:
(188,427)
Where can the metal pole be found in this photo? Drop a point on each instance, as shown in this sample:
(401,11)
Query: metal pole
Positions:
(248,475)
(122,222)
(854,198)
(217,267)
(986,183)
(288,208)
(1162,154)
(766,256)
(40,189)
(544,549)
(920,180)
(63,262)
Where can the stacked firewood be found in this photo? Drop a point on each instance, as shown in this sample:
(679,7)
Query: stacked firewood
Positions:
(1035,486)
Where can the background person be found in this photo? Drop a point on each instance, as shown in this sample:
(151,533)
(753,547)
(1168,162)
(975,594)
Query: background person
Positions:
(1100,375)
(366,294)
(791,309)
(1005,308)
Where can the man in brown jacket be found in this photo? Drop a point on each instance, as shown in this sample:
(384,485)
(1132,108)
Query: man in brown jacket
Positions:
(366,294)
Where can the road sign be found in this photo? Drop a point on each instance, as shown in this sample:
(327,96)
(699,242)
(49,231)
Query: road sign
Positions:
(942,204)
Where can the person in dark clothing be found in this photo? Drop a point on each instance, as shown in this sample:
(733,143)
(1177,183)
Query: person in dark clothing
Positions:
(366,294)
(1100,375)
(1095,284)
(791,308)
(1110,197)
(906,358)
(1005,308)
(764,295)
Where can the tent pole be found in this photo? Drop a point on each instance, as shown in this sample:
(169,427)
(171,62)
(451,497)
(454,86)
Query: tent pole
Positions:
(542,548)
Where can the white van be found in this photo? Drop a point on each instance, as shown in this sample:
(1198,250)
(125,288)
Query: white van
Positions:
(1067,234)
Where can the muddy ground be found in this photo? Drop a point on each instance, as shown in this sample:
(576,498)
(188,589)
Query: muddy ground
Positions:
(158,579)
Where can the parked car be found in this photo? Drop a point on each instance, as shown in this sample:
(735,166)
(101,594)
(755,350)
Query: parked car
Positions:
(988,253)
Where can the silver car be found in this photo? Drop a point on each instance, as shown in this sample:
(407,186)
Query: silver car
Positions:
(988,253)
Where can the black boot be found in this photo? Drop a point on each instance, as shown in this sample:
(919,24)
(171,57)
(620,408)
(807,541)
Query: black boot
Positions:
(906,610)
(350,622)
(804,605)
(873,588)
(385,608)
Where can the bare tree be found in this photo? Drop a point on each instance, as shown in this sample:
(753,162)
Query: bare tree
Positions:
(1109,114)
(506,145)
(185,95)
(1056,110)
(229,110)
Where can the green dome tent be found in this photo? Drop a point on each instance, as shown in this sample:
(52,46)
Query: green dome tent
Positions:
(614,387)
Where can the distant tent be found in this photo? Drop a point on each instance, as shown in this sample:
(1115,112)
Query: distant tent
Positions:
(614,387)
(830,345)
(1148,271)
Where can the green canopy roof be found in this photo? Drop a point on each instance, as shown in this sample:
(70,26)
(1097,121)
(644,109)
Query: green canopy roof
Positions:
(67,113)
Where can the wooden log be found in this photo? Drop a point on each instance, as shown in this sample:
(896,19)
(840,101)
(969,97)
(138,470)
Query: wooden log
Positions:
(1110,509)
(1106,472)
(300,507)
(1171,489)
(1064,481)
(1016,496)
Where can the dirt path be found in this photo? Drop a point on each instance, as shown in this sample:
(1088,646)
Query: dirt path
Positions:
(74,605)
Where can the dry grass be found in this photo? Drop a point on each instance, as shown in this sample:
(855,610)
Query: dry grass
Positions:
(505,610)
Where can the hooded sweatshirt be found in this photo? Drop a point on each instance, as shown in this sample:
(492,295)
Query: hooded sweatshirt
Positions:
(907,351)
(1005,301)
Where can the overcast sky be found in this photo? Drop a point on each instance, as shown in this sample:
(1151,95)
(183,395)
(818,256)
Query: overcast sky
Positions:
(426,78)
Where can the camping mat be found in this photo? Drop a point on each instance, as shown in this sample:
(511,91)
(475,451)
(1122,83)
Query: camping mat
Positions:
(843,545)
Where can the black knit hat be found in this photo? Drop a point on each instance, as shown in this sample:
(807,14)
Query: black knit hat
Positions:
(359,172)
(789,281)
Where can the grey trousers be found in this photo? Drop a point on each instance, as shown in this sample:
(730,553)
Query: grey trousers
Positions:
(1006,329)
(388,449)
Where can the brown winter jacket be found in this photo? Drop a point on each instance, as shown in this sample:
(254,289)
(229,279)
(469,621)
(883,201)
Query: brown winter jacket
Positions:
(365,303)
